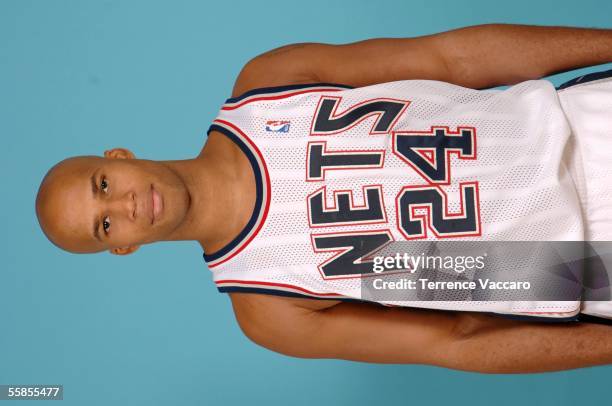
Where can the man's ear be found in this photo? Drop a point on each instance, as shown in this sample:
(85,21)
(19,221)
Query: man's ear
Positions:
(119,153)
(124,250)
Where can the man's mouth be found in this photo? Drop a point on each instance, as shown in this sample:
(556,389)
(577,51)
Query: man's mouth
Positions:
(157,205)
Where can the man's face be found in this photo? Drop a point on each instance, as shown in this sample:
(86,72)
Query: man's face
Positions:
(91,204)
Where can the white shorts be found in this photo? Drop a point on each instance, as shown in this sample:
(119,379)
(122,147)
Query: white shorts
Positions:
(587,103)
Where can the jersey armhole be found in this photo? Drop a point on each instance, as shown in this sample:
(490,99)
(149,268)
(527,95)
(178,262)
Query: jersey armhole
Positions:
(284,293)
(281,89)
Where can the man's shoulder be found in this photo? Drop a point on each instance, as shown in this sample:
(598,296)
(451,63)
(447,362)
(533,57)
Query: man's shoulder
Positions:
(259,314)
(282,66)
(282,324)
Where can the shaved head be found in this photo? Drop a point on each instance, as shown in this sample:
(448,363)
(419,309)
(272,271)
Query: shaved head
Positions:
(58,194)
(89,204)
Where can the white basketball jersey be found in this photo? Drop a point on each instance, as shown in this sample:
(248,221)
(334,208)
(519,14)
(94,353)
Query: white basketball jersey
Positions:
(342,171)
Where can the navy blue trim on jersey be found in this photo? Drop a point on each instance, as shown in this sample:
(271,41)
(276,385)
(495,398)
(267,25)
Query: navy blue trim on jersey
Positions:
(522,317)
(586,78)
(274,292)
(258,190)
(276,89)
(587,318)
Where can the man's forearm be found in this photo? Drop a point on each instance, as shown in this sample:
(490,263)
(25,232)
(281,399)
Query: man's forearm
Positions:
(509,346)
(496,54)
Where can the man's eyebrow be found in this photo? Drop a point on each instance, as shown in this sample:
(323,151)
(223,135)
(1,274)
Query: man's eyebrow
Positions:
(96,223)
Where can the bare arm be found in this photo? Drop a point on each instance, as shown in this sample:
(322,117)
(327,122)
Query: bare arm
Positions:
(464,341)
(510,346)
(499,54)
(477,57)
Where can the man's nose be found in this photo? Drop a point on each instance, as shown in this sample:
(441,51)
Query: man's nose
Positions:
(124,205)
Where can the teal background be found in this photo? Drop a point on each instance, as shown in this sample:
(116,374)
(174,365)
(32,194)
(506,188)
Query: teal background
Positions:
(78,77)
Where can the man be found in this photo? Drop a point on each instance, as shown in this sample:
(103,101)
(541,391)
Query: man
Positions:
(235,188)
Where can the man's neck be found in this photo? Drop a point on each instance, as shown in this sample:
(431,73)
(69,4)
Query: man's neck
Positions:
(222,190)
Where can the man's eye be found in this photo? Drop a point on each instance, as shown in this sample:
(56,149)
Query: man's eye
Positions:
(106,224)
(103,185)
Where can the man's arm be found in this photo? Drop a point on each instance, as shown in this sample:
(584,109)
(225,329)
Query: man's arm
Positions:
(476,57)
(464,341)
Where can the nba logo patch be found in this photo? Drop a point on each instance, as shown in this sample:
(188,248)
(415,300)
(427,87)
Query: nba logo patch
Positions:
(278,126)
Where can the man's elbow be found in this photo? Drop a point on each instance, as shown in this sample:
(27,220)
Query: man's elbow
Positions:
(473,346)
